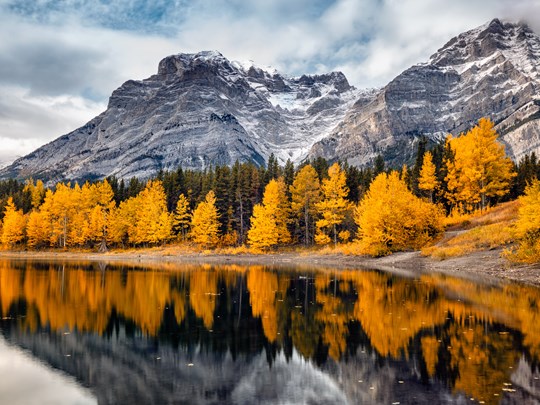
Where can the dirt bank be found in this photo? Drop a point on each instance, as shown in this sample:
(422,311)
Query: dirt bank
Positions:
(485,266)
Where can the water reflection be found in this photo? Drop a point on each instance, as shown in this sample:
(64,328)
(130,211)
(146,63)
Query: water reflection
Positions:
(233,334)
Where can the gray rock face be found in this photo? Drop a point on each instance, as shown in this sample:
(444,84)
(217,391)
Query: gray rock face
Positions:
(198,110)
(491,71)
(202,109)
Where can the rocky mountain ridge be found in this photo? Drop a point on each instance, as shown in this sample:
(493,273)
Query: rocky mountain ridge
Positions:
(198,110)
(491,71)
(202,109)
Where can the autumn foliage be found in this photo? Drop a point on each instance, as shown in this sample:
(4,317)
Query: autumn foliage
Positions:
(479,169)
(265,208)
(391,218)
(528,225)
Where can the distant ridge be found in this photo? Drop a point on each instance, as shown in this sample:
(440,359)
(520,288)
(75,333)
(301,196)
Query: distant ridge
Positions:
(202,109)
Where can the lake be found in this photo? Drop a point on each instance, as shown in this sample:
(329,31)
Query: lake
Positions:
(113,333)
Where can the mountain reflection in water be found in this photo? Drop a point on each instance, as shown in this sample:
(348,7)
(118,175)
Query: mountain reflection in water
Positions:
(253,334)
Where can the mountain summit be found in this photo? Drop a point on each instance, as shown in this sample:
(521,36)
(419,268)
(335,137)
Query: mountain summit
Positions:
(491,71)
(202,109)
(198,110)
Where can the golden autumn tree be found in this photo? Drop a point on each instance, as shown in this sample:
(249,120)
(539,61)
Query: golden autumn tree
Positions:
(141,219)
(270,219)
(101,207)
(37,192)
(333,206)
(205,222)
(305,194)
(428,179)
(59,209)
(528,224)
(480,169)
(391,218)
(275,200)
(153,221)
(182,217)
(37,229)
(13,225)
(263,231)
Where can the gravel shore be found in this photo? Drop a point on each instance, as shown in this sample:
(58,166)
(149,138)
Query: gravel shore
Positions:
(485,266)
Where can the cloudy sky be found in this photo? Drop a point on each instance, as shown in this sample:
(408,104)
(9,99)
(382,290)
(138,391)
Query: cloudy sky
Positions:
(61,59)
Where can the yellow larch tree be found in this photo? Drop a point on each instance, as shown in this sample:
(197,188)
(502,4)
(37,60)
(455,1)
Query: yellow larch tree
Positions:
(270,219)
(99,216)
(333,206)
(391,218)
(182,217)
(479,169)
(37,228)
(305,194)
(153,221)
(13,225)
(140,219)
(37,192)
(117,223)
(528,224)
(276,202)
(428,179)
(59,209)
(205,222)
(263,231)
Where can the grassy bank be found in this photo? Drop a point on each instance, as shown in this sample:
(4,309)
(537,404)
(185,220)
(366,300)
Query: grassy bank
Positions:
(466,234)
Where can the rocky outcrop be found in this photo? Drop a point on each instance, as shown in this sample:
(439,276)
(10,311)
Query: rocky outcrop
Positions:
(492,71)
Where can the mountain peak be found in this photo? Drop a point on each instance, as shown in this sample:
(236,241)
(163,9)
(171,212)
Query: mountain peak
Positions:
(515,41)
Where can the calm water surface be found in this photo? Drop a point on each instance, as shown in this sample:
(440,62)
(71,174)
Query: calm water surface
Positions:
(180,334)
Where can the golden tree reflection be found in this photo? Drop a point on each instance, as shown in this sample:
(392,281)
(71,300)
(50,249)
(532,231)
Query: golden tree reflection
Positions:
(466,335)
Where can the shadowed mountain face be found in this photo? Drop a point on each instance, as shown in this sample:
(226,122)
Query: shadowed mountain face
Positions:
(491,71)
(202,109)
(231,334)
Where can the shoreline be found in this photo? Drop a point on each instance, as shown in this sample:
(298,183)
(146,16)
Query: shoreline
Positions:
(483,266)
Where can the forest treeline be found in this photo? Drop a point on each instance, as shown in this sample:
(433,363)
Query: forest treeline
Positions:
(381,209)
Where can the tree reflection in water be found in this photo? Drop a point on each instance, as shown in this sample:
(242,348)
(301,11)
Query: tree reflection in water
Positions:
(415,339)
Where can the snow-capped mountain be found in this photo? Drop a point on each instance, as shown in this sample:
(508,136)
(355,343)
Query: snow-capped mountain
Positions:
(491,71)
(198,110)
(202,109)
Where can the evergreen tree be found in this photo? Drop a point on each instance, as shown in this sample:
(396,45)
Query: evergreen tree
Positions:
(378,165)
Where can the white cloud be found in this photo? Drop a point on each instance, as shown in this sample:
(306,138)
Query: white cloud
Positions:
(59,65)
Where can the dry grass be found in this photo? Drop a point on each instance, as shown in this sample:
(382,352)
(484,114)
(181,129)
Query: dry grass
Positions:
(492,215)
(481,231)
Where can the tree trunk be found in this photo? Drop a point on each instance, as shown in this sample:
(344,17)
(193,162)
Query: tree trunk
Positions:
(306,220)
(103,246)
